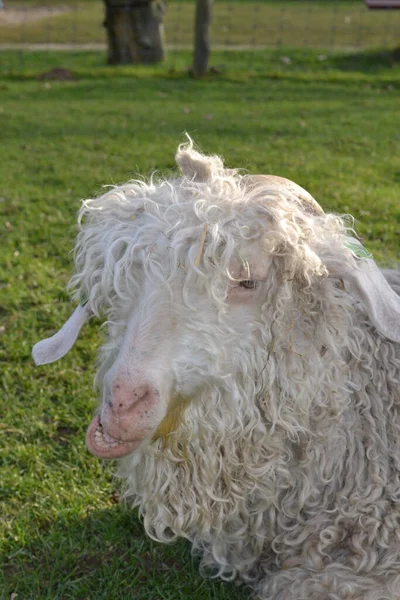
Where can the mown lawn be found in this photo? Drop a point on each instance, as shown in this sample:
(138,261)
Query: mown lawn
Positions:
(254,23)
(332,125)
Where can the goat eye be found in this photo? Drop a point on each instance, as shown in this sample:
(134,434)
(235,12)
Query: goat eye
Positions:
(248,284)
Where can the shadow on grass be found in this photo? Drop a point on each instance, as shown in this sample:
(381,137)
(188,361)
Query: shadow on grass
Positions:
(369,61)
(105,555)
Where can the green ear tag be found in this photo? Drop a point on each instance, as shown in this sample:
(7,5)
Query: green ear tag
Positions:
(84,300)
(357,248)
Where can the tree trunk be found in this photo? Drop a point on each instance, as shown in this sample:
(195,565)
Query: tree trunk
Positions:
(134,31)
(202,37)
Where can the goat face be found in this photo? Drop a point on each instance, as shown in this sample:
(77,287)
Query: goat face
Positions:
(183,325)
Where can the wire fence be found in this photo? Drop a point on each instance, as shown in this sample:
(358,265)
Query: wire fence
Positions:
(250,25)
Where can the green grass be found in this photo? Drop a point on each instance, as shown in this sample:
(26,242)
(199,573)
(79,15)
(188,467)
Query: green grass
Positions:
(266,23)
(330,125)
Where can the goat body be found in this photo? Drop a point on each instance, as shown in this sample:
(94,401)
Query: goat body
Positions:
(250,381)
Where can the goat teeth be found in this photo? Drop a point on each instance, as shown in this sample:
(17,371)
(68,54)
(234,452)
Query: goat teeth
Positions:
(103,441)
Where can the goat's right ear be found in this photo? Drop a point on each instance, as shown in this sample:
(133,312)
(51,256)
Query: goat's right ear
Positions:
(366,281)
(52,348)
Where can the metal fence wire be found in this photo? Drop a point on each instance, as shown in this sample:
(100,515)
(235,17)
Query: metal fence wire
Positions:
(328,25)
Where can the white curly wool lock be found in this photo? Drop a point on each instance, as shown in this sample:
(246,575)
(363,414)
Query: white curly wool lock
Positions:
(250,382)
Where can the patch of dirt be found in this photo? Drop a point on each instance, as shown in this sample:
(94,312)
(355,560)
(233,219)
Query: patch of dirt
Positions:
(88,564)
(56,74)
(9,571)
(115,497)
(62,435)
(21,15)
(149,562)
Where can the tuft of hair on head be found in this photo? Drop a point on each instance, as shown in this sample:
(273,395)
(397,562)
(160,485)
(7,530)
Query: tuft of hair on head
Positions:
(196,166)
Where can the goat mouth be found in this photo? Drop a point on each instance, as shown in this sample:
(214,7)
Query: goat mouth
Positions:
(102,445)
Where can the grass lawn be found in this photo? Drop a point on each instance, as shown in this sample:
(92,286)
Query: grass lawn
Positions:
(331,125)
(266,23)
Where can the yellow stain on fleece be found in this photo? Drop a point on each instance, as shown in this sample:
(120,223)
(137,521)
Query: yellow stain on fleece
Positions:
(171,421)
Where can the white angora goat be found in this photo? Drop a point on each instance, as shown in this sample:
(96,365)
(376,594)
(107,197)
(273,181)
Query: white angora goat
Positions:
(250,383)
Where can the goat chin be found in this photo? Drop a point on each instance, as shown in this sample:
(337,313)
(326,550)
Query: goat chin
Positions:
(250,381)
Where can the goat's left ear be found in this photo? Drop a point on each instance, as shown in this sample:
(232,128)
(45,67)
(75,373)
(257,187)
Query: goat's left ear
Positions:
(366,281)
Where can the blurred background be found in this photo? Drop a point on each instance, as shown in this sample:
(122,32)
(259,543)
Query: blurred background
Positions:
(95,93)
(236,25)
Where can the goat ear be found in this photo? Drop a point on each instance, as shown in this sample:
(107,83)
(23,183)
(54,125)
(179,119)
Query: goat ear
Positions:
(196,166)
(53,348)
(366,281)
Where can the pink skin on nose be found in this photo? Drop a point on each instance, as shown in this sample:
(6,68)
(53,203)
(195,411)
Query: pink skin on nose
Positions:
(130,413)
(125,397)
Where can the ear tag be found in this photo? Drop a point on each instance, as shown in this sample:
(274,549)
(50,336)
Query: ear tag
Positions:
(357,248)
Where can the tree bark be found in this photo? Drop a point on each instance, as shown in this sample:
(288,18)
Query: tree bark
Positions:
(202,37)
(134,31)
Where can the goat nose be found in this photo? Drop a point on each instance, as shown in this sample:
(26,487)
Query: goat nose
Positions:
(126,396)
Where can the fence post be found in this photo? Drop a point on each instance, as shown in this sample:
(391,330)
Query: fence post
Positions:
(202,37)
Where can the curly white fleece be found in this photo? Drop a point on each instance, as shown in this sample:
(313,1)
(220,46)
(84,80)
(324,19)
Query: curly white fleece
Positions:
(284,469)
